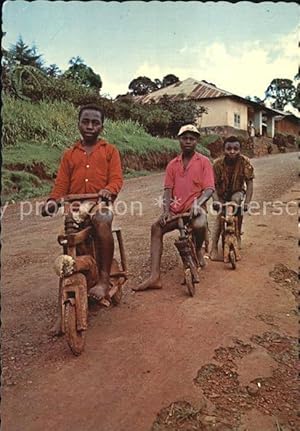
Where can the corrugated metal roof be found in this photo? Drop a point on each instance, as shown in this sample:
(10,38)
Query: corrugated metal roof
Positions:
(187,89)
(191,89)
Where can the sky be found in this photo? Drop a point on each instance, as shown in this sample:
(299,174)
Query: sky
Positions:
(239,47)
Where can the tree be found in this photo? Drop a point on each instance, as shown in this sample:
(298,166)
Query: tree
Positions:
(27,82)
(181,112)
(76,61)
(53,70)
(142,85)
(169,80)
(258,100)
(158,84)
(296,101)
(255,99)
(22,54)
(82,74)
(281,91)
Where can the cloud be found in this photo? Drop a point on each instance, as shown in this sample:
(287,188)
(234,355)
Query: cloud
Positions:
(243,68)
(112,88)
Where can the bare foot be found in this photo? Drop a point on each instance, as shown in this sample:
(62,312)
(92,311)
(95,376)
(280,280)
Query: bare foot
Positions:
(150,283)
(239,241)
(201,259)
(55,331)
(214,254)
(99,291)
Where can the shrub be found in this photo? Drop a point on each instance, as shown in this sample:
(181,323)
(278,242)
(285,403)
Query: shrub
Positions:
(32,84)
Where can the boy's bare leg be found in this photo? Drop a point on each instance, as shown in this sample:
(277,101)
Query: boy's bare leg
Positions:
(157,233)
(104,243)
(239,239)
(199,252)
(199,230)
(215,238)
(237,198)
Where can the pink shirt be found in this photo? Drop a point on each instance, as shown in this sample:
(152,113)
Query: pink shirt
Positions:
(188,184)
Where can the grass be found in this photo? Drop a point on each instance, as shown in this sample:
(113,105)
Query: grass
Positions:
(34,136)
(131,173)
(131,138)
(208,139)
(30,153)
(53,124)
(18,185)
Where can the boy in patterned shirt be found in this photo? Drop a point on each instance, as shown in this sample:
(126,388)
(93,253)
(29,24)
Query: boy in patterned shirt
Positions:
(234,176)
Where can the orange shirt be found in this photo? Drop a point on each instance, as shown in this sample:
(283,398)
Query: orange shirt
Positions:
(80,172)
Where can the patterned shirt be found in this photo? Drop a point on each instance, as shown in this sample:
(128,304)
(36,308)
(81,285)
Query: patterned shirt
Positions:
(231,178)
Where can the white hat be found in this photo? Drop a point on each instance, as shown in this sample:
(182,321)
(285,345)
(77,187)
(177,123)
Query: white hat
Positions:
(188,128)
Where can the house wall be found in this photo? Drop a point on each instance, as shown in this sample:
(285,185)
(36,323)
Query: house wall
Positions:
(221,113)
(237,108)
(287,127)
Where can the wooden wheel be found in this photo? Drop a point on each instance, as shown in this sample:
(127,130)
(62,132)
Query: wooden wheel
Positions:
(189,282)
(75,339)
(232,258)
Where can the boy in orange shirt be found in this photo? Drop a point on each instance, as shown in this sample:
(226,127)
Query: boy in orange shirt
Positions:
(91,165)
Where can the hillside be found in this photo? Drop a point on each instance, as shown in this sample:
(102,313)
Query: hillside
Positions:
(36,134)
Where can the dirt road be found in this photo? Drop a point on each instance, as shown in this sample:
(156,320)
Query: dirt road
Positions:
(223,360)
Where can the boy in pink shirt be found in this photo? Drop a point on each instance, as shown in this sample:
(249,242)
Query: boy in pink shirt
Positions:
(189,183)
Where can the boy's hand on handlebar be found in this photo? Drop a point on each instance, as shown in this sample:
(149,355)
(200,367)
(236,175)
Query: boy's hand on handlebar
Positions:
(105,194)
(49,208)
(216,206)
(246,206)
(164,218)
(195,210)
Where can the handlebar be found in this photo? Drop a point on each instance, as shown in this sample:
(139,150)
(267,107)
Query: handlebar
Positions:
(178,216)
(82,197)
(228,204)
(76,198)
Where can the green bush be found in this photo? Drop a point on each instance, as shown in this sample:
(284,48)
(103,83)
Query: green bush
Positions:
(181,112)
(159,119)
(32,84)
(154,119)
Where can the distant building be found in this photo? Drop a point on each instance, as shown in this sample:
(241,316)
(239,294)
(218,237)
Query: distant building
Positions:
(227,112)
(287,123)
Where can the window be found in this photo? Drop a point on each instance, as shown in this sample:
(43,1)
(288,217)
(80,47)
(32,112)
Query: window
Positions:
(237,121)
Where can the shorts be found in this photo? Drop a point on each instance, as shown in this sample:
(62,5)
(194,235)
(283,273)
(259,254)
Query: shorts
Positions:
(84,212)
